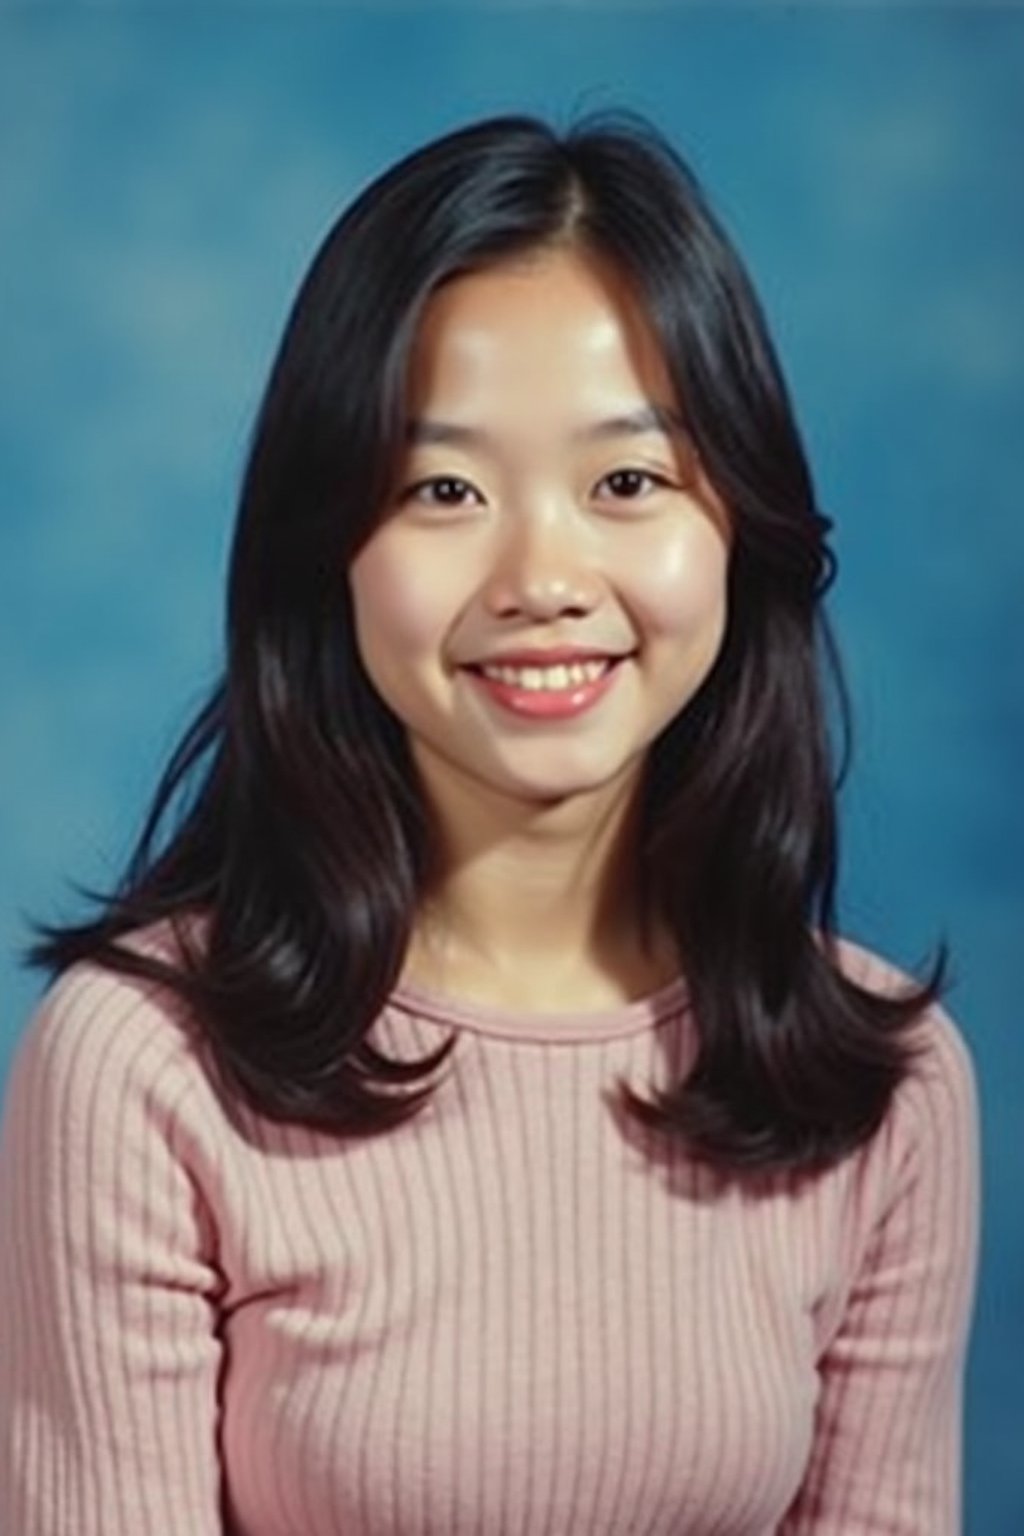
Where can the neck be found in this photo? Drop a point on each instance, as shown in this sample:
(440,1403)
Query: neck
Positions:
(534,901)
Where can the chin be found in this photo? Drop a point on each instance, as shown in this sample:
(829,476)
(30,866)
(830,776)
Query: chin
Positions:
(558,789)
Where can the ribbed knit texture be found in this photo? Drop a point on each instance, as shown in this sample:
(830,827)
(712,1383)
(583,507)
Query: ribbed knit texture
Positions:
(514,1316)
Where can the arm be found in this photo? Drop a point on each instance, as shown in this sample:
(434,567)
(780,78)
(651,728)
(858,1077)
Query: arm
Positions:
(886,1458)
(108,1354)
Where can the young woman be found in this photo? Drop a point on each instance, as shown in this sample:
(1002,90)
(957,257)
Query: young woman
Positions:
(465,1117)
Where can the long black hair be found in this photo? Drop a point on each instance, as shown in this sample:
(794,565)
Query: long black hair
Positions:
(288,830)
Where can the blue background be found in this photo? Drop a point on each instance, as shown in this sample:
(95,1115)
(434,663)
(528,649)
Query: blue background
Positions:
(165,175)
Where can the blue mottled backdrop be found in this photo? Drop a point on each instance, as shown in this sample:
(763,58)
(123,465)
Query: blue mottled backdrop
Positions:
(164,176)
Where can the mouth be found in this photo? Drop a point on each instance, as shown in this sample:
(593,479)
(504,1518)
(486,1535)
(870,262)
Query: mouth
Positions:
(560,691)
(561,677)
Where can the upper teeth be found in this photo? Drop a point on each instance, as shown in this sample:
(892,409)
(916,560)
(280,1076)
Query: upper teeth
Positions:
(549,677)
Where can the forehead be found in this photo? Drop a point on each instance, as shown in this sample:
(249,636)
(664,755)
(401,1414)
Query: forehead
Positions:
(556,332)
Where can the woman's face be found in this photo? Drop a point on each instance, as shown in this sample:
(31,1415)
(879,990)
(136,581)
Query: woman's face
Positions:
(548,589)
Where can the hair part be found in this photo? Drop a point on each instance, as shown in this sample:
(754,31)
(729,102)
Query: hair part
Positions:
(287,848)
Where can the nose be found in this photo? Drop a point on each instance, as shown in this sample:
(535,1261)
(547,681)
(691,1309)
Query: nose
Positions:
(542,568)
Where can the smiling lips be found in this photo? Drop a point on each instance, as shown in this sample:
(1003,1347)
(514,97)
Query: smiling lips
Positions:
(548,685)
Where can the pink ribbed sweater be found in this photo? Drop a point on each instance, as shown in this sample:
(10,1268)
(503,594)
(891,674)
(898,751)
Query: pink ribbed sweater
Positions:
(514,1316)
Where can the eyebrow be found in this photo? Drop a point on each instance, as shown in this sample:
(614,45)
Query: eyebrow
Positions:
(647,418)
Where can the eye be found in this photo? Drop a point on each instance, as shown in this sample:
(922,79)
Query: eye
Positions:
(631,484)
(442,491)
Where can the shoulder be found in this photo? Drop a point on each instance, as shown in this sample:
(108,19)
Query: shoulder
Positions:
(942,1050)
(111,1150)
(934,1110)
(102,1045)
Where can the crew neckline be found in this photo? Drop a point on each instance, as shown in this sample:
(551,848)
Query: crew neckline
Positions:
(543,1027)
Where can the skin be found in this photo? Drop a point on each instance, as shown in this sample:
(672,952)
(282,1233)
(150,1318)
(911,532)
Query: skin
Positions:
(535,525)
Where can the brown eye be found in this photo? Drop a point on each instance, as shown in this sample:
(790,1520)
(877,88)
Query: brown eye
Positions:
(443,491)
(629,484)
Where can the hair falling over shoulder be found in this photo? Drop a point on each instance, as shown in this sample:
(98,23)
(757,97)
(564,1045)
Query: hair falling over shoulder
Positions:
(286,848)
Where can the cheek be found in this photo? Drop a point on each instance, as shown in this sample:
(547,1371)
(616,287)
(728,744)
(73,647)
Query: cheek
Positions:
(677,583)
(399,603)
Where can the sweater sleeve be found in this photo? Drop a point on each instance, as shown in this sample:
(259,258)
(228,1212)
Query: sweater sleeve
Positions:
(886,1456)
(109,1357)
